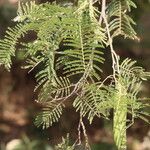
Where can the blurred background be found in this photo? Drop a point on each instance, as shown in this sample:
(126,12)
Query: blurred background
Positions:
(18,108)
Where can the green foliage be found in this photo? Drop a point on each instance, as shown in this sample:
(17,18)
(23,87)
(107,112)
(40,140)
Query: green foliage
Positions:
(65,145)
(120,23)
(95,101)
(128,87)
(71,40)
(8,44)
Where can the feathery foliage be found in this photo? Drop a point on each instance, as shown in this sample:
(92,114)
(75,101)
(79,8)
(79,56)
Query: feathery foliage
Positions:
(71,40)
(120,23)
(126,101)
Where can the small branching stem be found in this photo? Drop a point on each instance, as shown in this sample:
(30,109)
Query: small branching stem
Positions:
(120,111)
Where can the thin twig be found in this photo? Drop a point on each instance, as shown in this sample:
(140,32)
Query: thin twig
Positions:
(115,57)
(79,130)
(85,134)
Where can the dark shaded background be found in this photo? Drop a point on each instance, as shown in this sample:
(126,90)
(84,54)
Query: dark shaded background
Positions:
(18,108)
